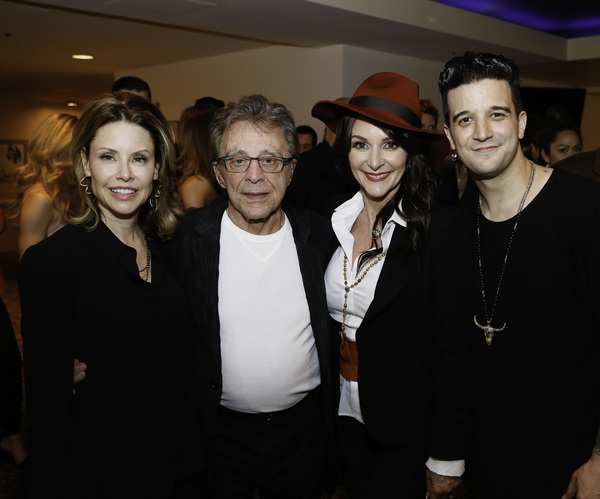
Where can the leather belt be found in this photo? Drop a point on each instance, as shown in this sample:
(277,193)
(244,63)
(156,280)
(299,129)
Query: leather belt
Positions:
(349,360)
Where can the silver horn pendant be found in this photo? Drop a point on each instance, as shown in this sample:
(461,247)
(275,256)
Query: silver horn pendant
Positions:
(488,330)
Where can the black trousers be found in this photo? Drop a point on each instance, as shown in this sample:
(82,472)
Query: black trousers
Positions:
(372,470)
(281,455)
(11,381)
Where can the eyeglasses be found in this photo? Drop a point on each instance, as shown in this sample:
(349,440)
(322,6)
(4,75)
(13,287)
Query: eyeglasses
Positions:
(268,164)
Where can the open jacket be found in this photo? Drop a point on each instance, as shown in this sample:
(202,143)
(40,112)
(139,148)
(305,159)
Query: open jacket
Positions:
(195,252)
(413,343)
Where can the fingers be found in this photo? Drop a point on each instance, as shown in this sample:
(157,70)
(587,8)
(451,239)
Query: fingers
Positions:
(571,489)
(78,371)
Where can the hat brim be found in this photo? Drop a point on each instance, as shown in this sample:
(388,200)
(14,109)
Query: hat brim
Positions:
(330,113)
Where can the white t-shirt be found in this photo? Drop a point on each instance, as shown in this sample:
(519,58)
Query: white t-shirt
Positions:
(269,356)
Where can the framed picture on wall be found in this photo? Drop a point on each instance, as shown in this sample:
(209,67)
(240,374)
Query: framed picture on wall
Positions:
(13,153)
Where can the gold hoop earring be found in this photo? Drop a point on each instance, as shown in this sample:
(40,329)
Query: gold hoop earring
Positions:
(155,195)
(86,186)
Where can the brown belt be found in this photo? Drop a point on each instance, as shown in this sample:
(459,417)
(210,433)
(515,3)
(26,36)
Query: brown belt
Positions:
(349,360)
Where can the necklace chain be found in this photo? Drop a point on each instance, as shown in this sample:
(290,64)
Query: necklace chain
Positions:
(488,330)
(146,269)
(347,289)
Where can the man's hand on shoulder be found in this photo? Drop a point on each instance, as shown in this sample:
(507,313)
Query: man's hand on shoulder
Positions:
(585,482)
(440,486)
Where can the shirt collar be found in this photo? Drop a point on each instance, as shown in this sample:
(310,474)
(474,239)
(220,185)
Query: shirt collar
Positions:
(346,214)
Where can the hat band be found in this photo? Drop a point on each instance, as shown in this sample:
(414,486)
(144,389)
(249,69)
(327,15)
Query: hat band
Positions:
(388,106)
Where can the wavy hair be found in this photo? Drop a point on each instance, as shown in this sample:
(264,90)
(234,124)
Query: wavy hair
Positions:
(260,112)
(195,148)
(49,164)
(159,220)
(416,189)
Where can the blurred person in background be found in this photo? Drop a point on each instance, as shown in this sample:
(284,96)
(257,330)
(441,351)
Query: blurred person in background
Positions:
(558,142)
(46,184)
(133,85)
(307,138)
(11,381)
(198,186)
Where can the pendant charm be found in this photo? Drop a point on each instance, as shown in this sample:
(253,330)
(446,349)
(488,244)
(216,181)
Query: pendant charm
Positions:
(488,330)
(375,234)
(342,338)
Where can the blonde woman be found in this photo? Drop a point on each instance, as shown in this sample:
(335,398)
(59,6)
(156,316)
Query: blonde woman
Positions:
(101,290)
(46,185)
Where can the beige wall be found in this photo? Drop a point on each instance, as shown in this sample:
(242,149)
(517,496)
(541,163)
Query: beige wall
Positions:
(19,119)
(296,77)
(590,124)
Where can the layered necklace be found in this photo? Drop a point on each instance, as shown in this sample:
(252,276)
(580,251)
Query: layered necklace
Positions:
(348,287)
(145,271)
(487,328)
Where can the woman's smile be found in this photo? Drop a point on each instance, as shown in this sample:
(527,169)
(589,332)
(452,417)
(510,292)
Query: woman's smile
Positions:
(377,177)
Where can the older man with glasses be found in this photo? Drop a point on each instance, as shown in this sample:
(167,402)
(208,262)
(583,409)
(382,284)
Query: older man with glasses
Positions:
(253,270)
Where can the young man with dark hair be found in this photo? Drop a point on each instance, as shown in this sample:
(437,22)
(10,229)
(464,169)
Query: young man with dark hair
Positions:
(536,326)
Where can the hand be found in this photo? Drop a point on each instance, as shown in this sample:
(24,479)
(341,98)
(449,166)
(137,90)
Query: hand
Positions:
(440,486)
(78,372)
(585,482)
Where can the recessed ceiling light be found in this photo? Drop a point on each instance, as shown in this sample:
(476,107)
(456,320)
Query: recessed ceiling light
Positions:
(83,56)
(72,103)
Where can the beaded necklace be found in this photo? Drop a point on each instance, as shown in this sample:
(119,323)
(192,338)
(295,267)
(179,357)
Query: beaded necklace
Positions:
(347,289)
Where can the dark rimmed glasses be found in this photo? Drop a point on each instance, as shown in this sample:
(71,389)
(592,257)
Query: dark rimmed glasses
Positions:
(268,164)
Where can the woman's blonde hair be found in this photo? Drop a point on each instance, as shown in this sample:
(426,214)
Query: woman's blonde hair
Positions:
(158,216)
(49,164)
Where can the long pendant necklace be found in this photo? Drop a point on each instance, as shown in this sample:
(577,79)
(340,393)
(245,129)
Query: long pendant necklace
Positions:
(488,330)
(146,270)
(347,289)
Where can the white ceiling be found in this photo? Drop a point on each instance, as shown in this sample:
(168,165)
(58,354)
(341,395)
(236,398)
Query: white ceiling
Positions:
(37,39)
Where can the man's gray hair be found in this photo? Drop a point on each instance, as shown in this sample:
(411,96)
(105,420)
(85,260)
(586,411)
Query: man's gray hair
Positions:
(258,111)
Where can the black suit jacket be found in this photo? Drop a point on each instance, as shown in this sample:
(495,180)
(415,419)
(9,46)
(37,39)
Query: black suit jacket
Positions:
(133,424)
(318,184)
(586,164)
(196,253)
(414,343)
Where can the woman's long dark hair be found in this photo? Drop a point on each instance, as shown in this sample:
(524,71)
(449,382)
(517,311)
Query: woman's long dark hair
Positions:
(416,187)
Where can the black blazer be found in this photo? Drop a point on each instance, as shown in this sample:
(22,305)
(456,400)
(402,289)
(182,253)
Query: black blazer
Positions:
(132,426)
(196,253)
(409,393)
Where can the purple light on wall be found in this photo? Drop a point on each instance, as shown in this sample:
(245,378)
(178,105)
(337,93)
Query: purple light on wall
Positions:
(561,21)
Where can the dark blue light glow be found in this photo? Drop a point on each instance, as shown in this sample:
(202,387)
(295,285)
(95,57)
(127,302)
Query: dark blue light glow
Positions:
(561,20)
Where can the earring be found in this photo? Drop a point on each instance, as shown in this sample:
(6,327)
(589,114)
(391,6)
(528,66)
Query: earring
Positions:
(155,195)
(86,186)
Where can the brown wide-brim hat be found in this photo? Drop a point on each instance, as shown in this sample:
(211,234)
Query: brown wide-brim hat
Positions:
(387,98)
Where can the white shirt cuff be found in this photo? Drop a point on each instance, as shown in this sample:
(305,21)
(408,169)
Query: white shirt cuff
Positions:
(446,468)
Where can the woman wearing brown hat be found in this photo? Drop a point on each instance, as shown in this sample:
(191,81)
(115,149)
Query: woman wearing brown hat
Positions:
(397,289)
